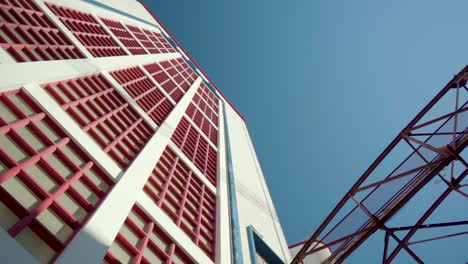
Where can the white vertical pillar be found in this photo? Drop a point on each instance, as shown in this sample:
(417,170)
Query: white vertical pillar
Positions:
(223,230)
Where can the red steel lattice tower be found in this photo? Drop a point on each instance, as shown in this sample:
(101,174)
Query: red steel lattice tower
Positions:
(429,149)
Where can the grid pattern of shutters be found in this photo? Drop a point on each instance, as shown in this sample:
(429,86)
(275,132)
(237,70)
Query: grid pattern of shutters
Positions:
(180,72)
(88,31)
(203,123)
(124,36)
(140,240)
(159,41)
(144,40)
(161,76)
(102,113)
(27,34)
(175,188)
(206,119)
(147,95)
(49,187)
(196,148)
(207,102)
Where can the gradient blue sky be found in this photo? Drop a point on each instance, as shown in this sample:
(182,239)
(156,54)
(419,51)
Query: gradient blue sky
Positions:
(324,85)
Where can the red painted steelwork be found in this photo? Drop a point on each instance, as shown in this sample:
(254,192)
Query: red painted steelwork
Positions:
(145,93)
(203,123)
(88,31)
(185,198)
(203,110)
(191,59)
(208,103)
(158,73)
(434,142)
(152,245)
(159,41)
(179,74)
(104,114)
(44,175)
(29,35)
(144,40)
(196,148)
(124,36)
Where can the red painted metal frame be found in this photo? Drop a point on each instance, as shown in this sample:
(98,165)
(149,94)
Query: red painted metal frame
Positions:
(203,110)
(185,198)
(104,114)
(147,242)
(435,142)
(159,41)
(27,34)
(183,74)
(88,31)
(147,95)
(203,123)
(45,147)
(191,59)
(177,72)
(207,102)
(144,40)
(196,148)
(165,81)
(124,36)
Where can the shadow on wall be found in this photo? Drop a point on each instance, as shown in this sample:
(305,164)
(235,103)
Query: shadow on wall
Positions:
(29,248)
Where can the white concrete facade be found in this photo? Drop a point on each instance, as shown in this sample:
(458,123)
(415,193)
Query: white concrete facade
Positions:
(314,258)
(253,200)
(254,204)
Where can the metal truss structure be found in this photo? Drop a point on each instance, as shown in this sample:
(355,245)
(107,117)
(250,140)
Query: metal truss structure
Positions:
(429,148)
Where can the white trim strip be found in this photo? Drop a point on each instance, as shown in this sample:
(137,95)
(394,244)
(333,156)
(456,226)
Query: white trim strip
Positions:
(223,230)
(13,75)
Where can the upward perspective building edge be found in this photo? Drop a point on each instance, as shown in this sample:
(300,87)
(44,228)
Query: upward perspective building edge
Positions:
(115,147)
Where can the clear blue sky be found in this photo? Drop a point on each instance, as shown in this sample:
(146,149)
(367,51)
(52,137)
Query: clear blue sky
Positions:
(324,85)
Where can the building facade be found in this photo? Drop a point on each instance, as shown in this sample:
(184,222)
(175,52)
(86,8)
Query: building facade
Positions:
(115,147)
(314,258)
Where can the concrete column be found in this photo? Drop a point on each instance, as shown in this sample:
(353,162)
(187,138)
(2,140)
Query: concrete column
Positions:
(223,228)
